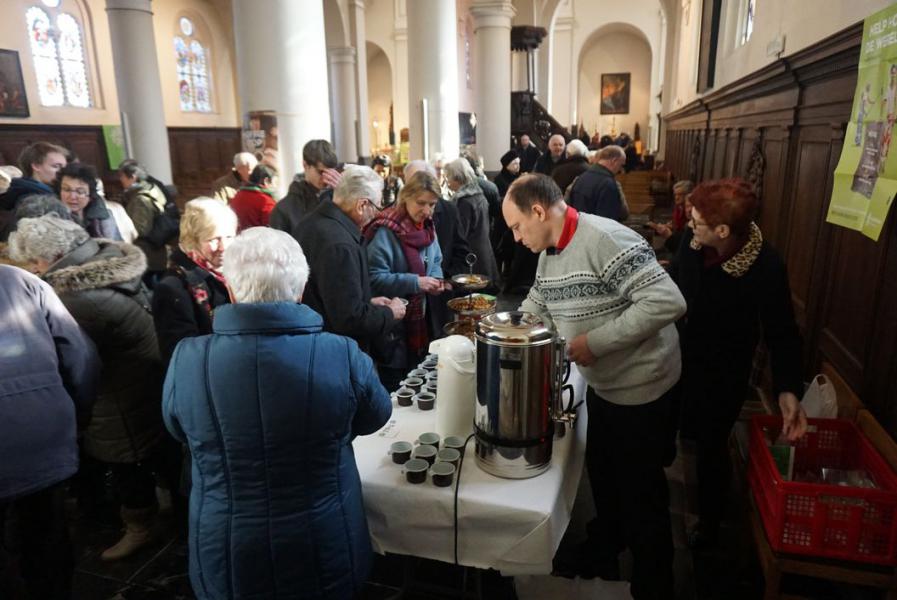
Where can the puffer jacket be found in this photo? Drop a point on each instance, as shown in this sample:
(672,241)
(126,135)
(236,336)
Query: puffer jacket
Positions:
(48,373)
(144,201)
(99,283)
(269,405)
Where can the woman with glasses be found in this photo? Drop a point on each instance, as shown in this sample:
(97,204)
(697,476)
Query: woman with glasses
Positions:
(76,186)
(736,288)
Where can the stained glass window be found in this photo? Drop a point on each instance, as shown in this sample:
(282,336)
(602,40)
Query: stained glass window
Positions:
(192,69)
(58,51)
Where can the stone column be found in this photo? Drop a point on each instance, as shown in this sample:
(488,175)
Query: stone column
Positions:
(359,40)
(138,84)
(433,76)
(492,26)
(343,102)
(282,67)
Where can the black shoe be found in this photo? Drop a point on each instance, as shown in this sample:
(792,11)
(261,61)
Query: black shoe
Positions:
(584,562)
(703,537)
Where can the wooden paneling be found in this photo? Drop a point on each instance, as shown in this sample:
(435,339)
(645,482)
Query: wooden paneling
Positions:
(844,285)
(198,156)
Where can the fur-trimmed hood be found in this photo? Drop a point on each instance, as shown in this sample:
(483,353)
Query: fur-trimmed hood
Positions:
(97,264)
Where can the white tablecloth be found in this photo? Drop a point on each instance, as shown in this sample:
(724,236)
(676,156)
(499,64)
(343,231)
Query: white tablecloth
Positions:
(514,526)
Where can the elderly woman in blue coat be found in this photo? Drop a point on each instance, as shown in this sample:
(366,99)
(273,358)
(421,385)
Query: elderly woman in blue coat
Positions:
(268,405)
(404,260)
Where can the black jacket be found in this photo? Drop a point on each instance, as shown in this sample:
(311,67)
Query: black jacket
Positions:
(546,163)
(21,187)
(528,157)
(100,284)
(454,249)
(473,210)
(726,314)
(183,302)
(596,192)
(301,199)
(565,174)
(339,286)
(503,181)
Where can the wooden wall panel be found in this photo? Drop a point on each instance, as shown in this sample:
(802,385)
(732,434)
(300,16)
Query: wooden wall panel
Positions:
(198,156)
(844,285)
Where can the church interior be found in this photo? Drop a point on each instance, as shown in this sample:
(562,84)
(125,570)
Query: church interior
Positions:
(696,91)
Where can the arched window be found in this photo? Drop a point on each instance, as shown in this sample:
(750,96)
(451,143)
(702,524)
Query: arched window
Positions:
(193,69)
(747,22)
(57,47)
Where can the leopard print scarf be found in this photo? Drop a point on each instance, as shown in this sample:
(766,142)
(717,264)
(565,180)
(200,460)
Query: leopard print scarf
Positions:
(741,263)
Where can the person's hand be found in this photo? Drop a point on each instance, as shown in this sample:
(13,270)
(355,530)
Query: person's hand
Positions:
(397,306)
(331,177)
(578,351)
(380,301)
(446,285)
(794,419)
(429,285)
(661,229)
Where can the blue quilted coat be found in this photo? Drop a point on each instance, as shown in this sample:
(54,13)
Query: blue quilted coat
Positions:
(269,405)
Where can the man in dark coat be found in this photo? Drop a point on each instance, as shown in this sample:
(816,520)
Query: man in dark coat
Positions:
(596,191)
(49,371)
(269,405)
(319,164)
(555,155)
(576,164)
(339,287)
(528,154)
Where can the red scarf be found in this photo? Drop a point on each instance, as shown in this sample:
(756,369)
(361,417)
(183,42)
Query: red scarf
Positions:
(413,238)
(202,263)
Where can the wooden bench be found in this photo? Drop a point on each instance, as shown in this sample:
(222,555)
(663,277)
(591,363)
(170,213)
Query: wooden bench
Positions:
(777,564)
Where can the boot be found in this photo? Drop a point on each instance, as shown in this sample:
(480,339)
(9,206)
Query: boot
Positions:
(138,533)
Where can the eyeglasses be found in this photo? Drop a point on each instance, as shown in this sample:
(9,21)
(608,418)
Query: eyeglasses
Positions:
(81,192)
(371,202)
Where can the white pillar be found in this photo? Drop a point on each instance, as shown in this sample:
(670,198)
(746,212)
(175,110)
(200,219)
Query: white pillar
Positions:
(359,39)
(282,66)
(433,76)
(342,96)
(400,92)
(138,84)
(492,26)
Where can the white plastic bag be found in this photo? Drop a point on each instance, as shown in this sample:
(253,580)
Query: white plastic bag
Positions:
(820,401)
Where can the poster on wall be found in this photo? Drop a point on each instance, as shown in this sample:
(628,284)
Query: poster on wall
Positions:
(13,101)
(615,93)
(115,145)
(259,132)
(865,179)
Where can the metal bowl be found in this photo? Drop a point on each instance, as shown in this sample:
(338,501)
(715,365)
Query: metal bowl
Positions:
(464,327)
(485,304)
(470,281)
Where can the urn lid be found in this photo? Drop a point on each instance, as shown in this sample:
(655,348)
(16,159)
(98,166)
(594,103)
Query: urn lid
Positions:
(515,328)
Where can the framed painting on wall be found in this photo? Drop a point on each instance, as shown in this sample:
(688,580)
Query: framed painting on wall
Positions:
(615,93)
(13,102)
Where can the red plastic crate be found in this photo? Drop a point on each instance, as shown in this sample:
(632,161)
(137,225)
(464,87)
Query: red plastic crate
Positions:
(824,520)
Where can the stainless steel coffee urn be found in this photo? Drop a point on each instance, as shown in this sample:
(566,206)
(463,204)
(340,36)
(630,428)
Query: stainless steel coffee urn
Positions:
(519,379)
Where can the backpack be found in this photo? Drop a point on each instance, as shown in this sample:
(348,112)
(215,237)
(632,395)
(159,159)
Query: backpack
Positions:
(166,224)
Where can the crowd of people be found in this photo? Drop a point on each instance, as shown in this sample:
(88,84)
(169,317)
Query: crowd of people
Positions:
(230,352)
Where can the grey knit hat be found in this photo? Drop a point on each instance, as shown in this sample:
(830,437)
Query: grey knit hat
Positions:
(47,237)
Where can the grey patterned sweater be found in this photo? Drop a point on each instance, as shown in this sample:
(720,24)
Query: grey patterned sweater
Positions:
(607,283)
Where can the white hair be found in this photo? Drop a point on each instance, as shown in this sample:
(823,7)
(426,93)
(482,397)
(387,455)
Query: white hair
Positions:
(459,170)
(47,237)
(265,265)
(245,158)
(417,165)
(576,148)
(358,182)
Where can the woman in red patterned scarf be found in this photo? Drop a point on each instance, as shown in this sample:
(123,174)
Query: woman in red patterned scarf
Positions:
(404,260)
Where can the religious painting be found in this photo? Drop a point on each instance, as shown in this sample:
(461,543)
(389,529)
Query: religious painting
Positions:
(259,132)
(13,102)
(615,93)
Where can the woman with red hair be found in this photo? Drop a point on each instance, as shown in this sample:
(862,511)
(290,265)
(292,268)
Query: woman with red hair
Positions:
(736,288)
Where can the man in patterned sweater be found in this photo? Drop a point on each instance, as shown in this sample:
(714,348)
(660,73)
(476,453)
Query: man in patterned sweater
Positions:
(600,284)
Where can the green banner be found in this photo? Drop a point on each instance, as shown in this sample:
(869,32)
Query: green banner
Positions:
(115,145)
(866,175)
